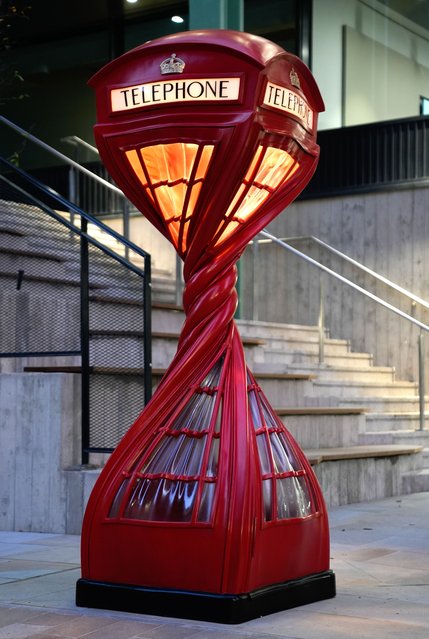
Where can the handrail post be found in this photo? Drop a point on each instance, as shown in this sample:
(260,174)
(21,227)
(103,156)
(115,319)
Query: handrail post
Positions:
(321,322)
(255,260)
(126,225)
(421,381)
(72,184)
(84,333)
(179,280)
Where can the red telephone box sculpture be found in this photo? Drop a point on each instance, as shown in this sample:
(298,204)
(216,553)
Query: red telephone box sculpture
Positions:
(207,509)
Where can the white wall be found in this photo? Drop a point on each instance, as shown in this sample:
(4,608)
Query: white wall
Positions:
(373,20)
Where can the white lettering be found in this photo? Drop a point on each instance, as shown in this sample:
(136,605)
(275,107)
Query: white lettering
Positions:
(287,100)
(165,92)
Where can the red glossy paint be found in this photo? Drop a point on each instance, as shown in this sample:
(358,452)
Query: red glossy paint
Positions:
(237,542)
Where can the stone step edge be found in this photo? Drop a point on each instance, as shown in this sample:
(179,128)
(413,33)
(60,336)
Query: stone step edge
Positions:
(317,456)
(112,370)
(320,410)
(247,341)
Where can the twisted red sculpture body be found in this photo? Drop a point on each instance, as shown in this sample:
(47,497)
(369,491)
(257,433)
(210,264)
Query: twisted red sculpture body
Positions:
(208,495)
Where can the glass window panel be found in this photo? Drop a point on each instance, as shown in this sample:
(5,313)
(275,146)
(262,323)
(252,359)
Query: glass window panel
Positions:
(282,463)
(218,418)
(267,498)
(186,418)
(213,458)
(293,498)
(177,456)
(204,161)
(269,417)
(253,200)
(154,159)
(254,409)
(276,164)
(116,505)
(189,457)
(212,379)
(195,192)
(197,415)
(207,500)
(134,160)
(236,199)
(263,454)
(293,460)
(167,203)
(162,500)
(232,225)
(162,459)
(254,162)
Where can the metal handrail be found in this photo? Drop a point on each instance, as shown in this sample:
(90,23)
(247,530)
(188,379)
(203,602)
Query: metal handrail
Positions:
(75,140)
(86,238)
(362,267)
(61,156)
(89,218)
(375,298)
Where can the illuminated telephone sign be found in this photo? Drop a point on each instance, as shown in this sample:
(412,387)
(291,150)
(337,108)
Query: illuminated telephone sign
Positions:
(207,508)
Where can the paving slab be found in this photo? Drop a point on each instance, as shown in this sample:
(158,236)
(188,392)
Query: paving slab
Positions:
(379,552)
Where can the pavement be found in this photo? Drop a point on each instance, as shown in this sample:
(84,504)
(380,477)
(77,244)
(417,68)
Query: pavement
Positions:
(379,550)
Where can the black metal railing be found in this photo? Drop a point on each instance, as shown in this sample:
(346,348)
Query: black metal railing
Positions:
(371,157)
(75,295)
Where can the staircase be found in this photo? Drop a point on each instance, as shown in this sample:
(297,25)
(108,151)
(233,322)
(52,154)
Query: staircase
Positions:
(356,422)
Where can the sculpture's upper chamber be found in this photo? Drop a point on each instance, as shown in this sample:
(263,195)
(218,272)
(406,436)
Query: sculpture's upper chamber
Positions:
(207,130)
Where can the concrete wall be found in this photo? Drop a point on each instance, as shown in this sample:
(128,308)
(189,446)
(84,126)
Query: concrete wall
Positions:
(388,232)
(39,450)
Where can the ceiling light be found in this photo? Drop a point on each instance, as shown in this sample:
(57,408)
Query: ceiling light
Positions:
(177,19)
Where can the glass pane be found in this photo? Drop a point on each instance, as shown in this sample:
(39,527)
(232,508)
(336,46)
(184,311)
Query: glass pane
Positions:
(267,497)
(254,409)
(213,377)
(263,454)
(218,418)
(116,505)
(134,160)
(213,458)
(285,444)
(207,499)
(204,161)
(162,458)
(293,499)
(162,500)
(197,415)
(270,418)
(281,460)
(275,165)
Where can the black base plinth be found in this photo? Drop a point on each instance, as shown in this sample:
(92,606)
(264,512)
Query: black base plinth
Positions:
(206,606)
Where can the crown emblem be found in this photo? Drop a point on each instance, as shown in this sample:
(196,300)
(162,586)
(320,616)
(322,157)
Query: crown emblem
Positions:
(173,64)
(294,78)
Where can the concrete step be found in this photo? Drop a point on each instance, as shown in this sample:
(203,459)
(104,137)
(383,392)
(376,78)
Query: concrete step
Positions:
(275,331)
(388,405)
(393,421)
(349,389)
(323,426)
(415,481)
(363,473)
(401,437)
(305,358)
(326,372)
(285,389)
(306,345)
